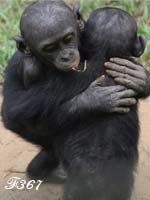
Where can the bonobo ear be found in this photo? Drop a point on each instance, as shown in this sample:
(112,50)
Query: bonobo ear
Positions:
(139,46)
(79,18)
(21,46)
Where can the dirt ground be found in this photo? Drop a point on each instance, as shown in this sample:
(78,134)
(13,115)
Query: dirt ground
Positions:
(15,154)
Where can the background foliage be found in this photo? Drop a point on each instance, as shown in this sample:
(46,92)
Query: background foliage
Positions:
(10,12)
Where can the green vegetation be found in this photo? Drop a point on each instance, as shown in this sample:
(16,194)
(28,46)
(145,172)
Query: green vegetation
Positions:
(10,12)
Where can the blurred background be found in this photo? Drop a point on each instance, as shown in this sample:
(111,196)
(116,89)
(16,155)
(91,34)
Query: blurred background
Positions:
(11,10)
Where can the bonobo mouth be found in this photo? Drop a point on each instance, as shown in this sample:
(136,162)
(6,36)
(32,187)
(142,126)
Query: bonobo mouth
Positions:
(75,65)
(80,68)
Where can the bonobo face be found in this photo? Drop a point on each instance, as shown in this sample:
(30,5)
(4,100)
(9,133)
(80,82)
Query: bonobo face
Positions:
(60,49)
(49,29)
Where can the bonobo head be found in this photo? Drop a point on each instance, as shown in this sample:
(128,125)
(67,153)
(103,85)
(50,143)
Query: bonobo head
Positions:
(49,32)
(113,32)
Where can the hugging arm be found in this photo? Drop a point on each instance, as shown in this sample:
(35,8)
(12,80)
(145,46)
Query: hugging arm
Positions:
(95,99)
(130,74)
(21,105)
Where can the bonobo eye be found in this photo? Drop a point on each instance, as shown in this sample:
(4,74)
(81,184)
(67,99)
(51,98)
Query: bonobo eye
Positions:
(50,48)
(67,39)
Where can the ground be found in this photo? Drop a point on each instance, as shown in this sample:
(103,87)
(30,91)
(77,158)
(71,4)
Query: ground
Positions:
(15,150)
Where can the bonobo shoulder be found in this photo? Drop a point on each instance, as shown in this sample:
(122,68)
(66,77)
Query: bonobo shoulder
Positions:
(15,63)
(14,68)
(16,59)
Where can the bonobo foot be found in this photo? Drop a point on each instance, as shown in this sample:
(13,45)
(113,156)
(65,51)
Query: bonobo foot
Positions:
(45,167)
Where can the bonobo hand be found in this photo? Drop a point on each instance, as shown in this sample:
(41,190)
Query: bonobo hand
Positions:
(111,98)
(130,74)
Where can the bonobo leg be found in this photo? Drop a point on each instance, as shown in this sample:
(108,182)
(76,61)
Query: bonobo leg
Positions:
(108,180)
(46,166)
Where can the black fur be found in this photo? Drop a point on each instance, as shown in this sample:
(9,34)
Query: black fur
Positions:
(99,151)
(104,153)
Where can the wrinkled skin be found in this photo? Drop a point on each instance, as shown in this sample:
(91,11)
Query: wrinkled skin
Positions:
(130,74)
(119,99)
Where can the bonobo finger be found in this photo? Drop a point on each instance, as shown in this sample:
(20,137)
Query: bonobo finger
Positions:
(127,102)
(121,110)
(125,62)
(115,74)
(129,79)
(99,81)
(122,69)
(129,84)
(125,79)
(127,93)
(113,89)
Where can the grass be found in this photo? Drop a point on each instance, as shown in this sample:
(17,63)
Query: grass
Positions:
(10,12)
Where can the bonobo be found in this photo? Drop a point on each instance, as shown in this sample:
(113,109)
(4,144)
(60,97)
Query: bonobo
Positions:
(49,104)
(43,97)
(104,153)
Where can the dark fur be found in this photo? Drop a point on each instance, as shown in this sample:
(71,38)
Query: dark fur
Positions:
(114,137)
(98,150)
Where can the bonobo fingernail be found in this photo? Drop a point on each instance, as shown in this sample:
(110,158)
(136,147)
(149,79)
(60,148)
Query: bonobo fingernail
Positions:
(106,64)
(112,59)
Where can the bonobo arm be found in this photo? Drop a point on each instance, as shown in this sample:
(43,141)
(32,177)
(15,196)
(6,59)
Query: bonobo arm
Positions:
(21,105)
(130,74)
(95,99)
(103,99)
(18,103)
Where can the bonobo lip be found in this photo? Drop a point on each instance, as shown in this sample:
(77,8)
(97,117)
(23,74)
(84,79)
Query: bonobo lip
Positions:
(75,64)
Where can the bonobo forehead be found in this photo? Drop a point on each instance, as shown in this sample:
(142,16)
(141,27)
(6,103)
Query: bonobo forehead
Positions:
(45,20)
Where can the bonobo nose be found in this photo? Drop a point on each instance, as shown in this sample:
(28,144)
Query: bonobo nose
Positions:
(67,56)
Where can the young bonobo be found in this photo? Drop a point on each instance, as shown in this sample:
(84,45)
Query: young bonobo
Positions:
(49,104)
(41,98)
(56,45)
(109,32)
